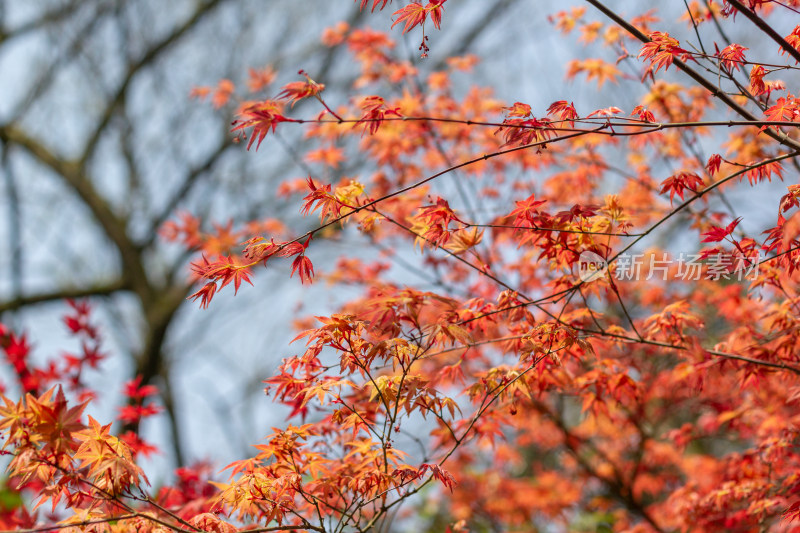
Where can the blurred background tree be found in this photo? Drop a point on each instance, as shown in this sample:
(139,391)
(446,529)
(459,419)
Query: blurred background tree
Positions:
(100,145)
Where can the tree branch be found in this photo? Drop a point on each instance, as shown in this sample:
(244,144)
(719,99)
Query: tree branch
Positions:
(146,59)
(766,28)
(64,294)
(73,176)
(696,76)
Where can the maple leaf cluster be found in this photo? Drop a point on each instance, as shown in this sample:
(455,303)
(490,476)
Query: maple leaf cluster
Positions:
(506,390)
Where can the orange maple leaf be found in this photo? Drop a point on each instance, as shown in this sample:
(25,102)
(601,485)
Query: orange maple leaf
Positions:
(262,117)
(297,90)
(661,50)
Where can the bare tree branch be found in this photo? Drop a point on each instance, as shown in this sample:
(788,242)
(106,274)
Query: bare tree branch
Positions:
(63,294)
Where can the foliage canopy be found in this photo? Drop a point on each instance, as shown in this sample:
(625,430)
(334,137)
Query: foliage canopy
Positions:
(563,364)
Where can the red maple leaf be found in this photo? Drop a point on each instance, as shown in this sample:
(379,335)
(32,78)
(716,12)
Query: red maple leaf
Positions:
(263,117)
(374,4)
(206,293)
(526,211)
(375,111)
(643,113)
(297,90)
(135,390)
(732,57)
(302,264)
(679,182)
(413,14)
(784,110)
(565,111)
(712,167)
(661,50)
(717,234)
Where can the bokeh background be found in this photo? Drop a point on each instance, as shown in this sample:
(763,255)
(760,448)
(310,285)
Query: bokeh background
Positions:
(101,144)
